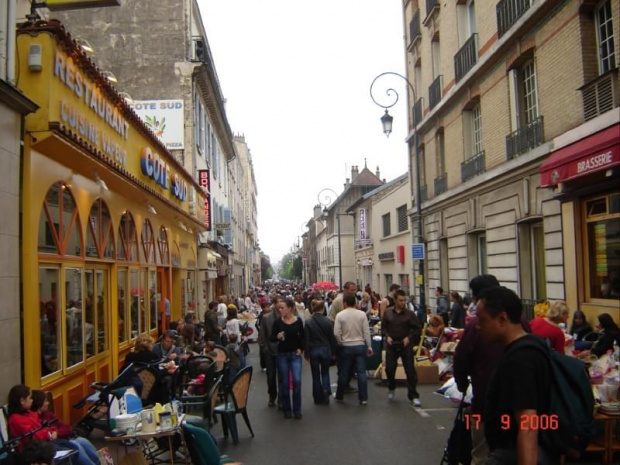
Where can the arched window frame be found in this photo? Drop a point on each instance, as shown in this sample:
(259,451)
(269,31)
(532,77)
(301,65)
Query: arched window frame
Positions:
(62,235)
(148,242)
(163,246)
(124,235)
(101,237)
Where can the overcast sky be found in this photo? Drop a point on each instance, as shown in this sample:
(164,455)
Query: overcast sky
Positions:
(296,76)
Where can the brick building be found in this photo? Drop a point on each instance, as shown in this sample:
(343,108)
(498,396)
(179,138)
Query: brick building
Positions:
(518,81)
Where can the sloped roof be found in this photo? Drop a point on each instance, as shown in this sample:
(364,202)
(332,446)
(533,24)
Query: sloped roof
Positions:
(366,178)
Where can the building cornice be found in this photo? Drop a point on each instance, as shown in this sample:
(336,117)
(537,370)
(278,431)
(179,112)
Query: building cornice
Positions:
(15,99)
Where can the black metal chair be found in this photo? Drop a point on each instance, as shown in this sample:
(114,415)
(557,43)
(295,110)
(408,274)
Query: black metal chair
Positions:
(239,391)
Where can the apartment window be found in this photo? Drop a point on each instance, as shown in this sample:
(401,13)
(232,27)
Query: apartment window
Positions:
(466,21)
(401,212)
(605,37)
(417,80)
(444,263)
(602,218)
(403,280)
(387,229)
(529,93)
(388,282)
(422,167)
(532,266)
(440,159)
(476,120)
(436,55)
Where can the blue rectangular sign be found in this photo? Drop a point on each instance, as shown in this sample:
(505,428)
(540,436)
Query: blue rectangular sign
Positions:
(417,251)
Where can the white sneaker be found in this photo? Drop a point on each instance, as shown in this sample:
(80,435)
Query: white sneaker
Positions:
(416,402)
(390,395)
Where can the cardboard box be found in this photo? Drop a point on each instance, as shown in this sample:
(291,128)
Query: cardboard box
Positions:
(426,374)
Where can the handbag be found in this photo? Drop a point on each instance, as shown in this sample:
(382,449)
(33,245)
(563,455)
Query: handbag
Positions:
(458,450)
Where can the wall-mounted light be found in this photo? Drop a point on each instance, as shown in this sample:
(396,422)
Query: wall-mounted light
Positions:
(100,182)
(151,209)
(109,75)
(84,45)
(35,57)
(126,96)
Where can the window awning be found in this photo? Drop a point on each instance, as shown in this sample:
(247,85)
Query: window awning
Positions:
(598,152)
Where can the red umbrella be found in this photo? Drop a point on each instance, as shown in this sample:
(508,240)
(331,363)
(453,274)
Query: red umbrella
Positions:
(324,286)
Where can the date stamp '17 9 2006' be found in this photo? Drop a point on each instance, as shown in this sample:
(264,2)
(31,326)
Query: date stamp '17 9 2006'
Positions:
(534,422)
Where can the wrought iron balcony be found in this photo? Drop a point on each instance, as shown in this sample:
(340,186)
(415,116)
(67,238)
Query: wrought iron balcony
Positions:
(472,166)
(466,57)
(441,184)
(600,95)
(417,112)
(525,139)
(414,29)
(508,12)
(434,92)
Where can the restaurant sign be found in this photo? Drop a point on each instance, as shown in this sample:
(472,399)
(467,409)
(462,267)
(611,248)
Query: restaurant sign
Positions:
(163,117)
(205,182)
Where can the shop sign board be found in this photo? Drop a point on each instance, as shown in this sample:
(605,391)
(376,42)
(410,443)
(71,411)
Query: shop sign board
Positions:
(362,221)
(386,256)
(204,180)
(165,118)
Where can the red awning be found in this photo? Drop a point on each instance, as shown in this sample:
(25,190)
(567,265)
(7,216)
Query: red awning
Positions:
(600,151)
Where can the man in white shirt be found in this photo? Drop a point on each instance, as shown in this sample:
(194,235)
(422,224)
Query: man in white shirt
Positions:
(353,335)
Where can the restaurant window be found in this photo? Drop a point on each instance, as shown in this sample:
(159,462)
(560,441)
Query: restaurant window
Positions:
(148,242)
(123,306)
(59,225)
(154,297)
(99,233)
(163,248)
(605,37)
(127,248)
(74,324)
(144,299)
(51,342)
(136,303)
(602,217)
(96,318)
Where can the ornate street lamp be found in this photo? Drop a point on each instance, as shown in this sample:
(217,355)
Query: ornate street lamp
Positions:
(386,122)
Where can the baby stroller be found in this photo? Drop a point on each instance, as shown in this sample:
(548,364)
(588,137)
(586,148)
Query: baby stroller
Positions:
(107,396)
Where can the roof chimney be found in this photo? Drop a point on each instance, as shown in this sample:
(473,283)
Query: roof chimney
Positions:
(378,173)
(354,172)
(346,184)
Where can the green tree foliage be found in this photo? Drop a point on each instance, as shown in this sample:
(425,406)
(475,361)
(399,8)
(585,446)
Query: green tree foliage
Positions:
(291,267)
(265,267)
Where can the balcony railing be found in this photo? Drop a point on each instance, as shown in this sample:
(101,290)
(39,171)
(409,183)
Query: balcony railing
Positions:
(466,57)
(600,95)
(434,92)
(414,29)
(430,7)
(525,139)
(417,112)
(508,12)
(472,166)
(441,184)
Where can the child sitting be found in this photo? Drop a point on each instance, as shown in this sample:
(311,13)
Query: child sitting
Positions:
(196,386)
(234,351)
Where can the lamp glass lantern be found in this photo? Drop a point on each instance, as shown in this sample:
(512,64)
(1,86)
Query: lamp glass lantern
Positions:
(386,122)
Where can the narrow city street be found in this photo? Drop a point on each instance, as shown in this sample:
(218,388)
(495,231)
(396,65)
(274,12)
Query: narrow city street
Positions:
(381,432)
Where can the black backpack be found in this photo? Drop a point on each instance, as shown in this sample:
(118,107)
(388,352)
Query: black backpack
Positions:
(571,403)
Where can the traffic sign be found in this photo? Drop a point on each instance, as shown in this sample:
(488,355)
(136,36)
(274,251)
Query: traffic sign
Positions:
(417,251)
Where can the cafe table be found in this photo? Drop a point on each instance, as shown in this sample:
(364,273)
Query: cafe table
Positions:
(144,440)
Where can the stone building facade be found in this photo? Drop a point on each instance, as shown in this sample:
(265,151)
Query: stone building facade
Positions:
(492,101)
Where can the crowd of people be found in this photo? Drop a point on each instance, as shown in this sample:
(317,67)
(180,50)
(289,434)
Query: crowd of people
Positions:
(326,328)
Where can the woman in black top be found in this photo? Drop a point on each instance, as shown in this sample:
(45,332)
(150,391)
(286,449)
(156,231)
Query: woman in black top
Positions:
(579,329)
(609,333)
(288,332)
(320,350)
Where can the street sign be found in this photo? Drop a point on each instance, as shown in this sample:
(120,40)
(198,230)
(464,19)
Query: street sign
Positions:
(417,251)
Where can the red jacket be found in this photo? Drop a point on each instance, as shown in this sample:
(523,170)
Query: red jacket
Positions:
(63,430)
(22,423)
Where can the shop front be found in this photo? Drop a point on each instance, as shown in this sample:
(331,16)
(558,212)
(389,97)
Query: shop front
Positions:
(108,247)
(584,175)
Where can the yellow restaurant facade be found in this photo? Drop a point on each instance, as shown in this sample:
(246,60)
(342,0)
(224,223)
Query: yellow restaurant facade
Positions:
(109,219)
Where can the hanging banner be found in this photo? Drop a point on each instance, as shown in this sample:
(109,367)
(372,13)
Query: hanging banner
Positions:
(204,180)
(362,223)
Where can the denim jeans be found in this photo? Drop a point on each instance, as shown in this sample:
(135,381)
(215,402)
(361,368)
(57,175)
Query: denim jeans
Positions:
(353,355)
(86,449)
(290,362)
(271,365)
(319,364)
